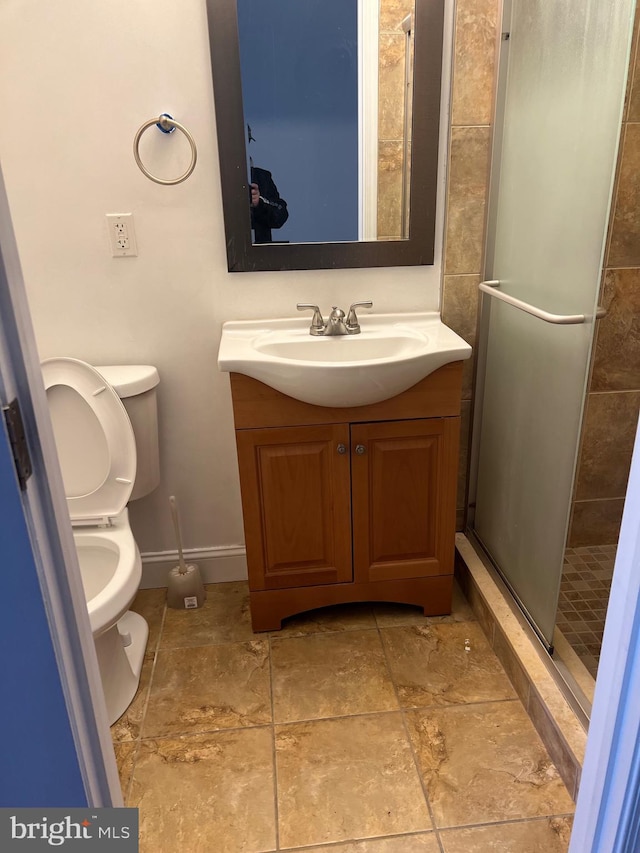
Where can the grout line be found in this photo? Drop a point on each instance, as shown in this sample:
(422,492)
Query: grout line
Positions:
(329,845)
(510,821)
(333,718)
(507,821)
(276,810)
(609,393)
(253,639)
(411,746)
(336,717)
(161,627)
(200,732)
(265,635)
(139,739)
(616,267)
(323,634)
(470,126)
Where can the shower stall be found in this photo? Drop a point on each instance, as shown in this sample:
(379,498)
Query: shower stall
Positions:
(558,356)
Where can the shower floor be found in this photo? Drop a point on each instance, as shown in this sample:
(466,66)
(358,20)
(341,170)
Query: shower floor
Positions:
(584,596)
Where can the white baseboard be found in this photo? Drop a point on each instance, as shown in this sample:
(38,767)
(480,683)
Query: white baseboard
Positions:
(217,565)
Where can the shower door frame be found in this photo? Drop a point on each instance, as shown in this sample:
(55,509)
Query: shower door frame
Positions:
(482,338)
(482,327)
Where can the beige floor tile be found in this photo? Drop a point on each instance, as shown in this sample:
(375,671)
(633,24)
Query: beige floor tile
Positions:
(150,603)
(125,755)
(430,666)
(425,842)
(350,778)
(393,615)
(531,836)
(327,675)
(127,727)
(341,617)
(204,793)
(223,618)
(484,763)
(209,687)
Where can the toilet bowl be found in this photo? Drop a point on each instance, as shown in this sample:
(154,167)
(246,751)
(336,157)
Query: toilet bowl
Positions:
(97,451)
(111,569)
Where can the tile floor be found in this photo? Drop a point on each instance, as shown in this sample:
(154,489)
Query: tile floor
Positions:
(356,729)
(584,596)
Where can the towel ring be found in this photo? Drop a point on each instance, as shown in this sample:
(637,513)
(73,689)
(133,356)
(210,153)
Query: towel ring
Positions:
(166,124)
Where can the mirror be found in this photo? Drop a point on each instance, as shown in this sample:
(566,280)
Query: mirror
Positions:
(328,125)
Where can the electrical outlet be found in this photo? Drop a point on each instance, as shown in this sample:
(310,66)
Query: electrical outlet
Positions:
(122,235)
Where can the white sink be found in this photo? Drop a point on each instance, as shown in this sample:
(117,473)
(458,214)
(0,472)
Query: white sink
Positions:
(391,353)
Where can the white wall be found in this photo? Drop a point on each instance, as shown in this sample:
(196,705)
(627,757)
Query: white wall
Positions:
(77,79)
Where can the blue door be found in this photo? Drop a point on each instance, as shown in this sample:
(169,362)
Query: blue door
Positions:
(38,762)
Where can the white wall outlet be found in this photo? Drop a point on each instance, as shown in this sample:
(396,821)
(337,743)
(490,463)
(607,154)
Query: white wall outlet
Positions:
(122,235)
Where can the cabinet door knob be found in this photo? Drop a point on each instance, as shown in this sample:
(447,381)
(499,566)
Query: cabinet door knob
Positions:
(342,448)
(360,449)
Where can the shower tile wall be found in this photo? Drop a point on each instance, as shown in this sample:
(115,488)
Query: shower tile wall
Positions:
(475,52)
(474,69)
(614,392)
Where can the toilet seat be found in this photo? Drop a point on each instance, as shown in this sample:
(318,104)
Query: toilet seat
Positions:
(94,439)
(110,570)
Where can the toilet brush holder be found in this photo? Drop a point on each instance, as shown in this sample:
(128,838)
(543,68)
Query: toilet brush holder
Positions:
(185,589)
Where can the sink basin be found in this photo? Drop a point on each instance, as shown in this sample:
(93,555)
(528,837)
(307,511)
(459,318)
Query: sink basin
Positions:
(347,348)
(391,353)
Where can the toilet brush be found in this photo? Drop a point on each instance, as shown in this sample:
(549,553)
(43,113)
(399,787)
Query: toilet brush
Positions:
(185,589)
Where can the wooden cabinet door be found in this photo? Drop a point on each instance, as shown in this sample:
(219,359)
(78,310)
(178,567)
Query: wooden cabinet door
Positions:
(404,498)
(296,505)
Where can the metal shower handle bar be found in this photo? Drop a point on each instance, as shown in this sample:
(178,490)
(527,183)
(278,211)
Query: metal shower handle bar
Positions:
(167,124)
(490,287)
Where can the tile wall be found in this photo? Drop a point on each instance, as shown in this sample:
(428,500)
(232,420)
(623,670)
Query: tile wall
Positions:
(611,413)
(474,71)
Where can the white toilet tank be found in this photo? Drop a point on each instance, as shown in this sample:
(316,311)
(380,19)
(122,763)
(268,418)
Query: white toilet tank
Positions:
(136,385)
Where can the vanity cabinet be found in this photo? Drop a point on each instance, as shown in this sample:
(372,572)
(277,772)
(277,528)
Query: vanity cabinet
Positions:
(296,499)
(348,504)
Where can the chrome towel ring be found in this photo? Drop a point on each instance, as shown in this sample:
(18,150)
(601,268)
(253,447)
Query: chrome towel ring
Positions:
(166,124)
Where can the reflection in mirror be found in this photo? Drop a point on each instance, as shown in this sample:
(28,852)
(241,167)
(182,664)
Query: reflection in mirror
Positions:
(328,114)
(299,68)
(407,107)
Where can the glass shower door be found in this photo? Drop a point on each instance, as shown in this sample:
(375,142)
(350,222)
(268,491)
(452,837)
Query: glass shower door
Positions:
(561,94)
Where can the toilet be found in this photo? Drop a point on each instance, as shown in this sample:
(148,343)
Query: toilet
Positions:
(106,432)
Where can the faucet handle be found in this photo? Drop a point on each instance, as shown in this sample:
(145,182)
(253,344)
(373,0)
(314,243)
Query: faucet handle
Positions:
(352,320)
(317,323)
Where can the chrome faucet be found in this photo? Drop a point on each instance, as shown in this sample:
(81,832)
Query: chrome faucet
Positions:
(336,324)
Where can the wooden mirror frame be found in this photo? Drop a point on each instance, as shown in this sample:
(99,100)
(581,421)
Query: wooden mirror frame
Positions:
(418,248)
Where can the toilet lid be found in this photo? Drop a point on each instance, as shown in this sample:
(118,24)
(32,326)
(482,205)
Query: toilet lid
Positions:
(94,438)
